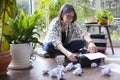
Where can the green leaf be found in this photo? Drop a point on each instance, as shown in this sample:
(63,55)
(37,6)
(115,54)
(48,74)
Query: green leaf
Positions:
(8,38)
(13,25)
(23,19)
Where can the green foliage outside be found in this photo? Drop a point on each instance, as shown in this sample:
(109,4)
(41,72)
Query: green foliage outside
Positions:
(85,11)
(50,9)
(116,34)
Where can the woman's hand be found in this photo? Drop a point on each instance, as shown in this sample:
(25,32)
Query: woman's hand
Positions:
(92,47)
(71,56)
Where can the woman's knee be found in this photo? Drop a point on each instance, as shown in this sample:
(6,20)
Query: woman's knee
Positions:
(48,46)
(81,43)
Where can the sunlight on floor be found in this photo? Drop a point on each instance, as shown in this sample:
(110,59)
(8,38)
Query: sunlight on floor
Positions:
(113,58)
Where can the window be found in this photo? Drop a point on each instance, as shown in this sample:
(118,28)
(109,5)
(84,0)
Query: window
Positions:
(91,6)
(113,6)
(23,4)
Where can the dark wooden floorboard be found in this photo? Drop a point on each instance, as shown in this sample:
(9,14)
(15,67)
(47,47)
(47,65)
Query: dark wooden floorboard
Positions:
(40,64)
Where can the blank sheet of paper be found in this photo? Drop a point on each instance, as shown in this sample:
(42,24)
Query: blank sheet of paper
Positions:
(93,56)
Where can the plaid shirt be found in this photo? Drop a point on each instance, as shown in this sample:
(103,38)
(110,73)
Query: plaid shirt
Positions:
(54,32)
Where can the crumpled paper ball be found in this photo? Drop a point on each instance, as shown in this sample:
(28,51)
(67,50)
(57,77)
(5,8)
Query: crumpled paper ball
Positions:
(60,75)
(57,72)
(94,64)
(106,71)
(77,71)
(53,72)
(69,67)
(61,67)
(78,65)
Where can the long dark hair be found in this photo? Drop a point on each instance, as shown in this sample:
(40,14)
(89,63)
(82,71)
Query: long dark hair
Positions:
(66,8)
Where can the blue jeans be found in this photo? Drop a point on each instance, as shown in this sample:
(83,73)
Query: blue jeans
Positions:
(73,47)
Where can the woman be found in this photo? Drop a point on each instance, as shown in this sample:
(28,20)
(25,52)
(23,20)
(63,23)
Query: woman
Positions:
(61,30)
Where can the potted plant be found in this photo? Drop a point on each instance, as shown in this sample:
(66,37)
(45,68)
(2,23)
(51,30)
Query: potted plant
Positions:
(104,17)
(8,8)
(22,39)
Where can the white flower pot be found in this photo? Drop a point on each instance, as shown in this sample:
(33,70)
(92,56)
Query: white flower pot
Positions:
(20,56)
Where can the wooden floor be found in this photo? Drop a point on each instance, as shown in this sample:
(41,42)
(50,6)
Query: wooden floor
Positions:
(116,51)
(40,64)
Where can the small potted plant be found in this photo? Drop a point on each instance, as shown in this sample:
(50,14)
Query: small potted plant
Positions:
(104,17)
(22,39)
